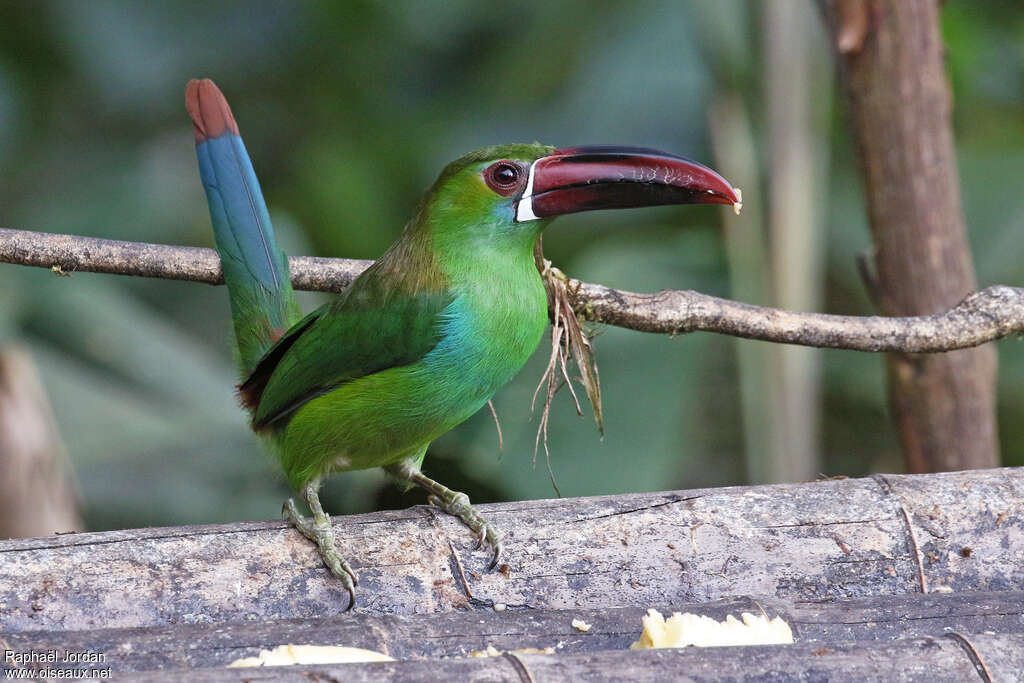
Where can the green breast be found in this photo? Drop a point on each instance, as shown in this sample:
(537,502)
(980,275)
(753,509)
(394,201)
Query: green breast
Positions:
(488,337)
(489,332)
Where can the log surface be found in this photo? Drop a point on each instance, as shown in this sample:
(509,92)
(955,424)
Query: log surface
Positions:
(936,660)
(885,535)
(462,632)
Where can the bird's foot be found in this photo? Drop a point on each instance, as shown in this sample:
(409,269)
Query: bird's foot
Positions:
(319,530)
(454,503)
(457,504)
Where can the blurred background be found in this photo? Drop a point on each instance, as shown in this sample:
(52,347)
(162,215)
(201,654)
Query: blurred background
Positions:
(350,110)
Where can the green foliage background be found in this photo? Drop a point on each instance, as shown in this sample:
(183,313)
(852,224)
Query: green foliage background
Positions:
(349,110)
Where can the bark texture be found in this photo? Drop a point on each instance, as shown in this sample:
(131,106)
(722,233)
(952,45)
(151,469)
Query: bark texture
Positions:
(942,659)
(825,540)
(463,632)
(890,55)
(895,578)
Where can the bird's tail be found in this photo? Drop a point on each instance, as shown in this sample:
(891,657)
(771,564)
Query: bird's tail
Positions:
(263,305)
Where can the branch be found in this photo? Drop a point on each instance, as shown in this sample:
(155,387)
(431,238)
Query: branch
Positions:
(992,313)
(899,111)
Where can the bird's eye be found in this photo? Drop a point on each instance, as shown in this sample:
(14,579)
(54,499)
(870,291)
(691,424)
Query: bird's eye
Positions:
(505,177)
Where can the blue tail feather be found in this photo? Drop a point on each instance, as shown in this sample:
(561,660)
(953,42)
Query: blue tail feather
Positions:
(263,305)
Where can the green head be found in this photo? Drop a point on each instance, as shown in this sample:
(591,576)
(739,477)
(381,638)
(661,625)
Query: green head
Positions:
(492,203)
(476,196)
(512,191)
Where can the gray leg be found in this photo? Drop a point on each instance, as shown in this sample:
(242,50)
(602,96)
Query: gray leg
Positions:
(452,502)
(319,530)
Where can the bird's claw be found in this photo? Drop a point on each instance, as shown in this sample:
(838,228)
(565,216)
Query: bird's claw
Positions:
(498,550)
(321,532)
(341,570)
(490,535)
(459,506)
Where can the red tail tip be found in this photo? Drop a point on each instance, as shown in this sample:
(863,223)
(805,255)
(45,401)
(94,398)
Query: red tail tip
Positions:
(211,115)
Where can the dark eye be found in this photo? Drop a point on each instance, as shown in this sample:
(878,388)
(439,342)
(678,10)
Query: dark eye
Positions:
(504,177)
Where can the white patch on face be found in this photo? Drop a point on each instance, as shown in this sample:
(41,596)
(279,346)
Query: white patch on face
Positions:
(524,209)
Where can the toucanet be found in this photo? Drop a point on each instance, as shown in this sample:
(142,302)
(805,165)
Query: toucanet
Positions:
(423,338)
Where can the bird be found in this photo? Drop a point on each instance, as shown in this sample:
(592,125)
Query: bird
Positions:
(426,335)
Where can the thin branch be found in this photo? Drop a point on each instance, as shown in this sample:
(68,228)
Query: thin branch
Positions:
(71,253)
(992,313)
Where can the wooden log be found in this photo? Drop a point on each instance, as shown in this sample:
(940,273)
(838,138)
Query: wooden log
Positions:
(459,633)
(937,660)
(884,535)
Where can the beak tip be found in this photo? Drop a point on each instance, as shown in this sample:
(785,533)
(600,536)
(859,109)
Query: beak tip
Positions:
(737,206)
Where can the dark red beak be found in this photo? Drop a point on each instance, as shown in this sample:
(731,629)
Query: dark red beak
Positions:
(608,177)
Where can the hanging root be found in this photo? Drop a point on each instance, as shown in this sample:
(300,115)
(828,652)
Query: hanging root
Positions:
(568,340)
(497,424)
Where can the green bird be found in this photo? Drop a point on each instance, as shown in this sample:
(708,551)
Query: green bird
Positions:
(423,338)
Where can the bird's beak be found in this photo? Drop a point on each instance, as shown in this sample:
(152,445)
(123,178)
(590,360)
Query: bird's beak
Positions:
(608,177)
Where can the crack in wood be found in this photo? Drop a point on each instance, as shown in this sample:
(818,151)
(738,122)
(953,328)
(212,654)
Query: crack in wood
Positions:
(565,575)
(92,538)
(902,618)
(89,542)
(813,524)
(867,560)
(618,513)
(510,606)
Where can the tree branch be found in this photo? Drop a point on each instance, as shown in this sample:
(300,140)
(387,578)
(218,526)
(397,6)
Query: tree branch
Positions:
(992,313)
(899,109)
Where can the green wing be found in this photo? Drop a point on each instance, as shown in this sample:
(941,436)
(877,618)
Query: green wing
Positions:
(370,328)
